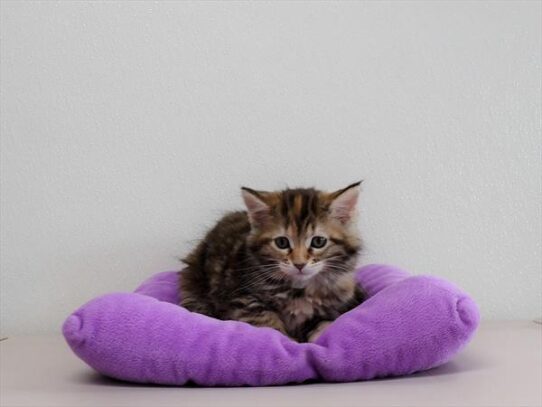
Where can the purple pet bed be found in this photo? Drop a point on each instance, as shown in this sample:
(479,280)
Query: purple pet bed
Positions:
(408,324)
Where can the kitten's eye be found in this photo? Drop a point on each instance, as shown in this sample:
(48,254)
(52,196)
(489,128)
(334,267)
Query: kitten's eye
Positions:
(318,242)
(282,242)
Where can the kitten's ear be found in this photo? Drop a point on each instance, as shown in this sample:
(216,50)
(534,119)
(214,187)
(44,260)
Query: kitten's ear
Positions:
(257,203)
(343,202)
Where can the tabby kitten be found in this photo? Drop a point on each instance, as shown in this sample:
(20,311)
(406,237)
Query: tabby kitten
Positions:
(286,263)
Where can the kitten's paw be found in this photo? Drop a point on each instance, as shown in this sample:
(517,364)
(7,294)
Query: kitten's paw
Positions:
(315,334)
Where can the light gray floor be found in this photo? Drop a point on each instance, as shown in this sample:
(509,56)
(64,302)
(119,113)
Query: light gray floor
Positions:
(501,367)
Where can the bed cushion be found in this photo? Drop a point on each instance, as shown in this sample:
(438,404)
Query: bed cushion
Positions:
(408,324)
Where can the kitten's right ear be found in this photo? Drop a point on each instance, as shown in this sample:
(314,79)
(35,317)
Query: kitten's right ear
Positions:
(257,203)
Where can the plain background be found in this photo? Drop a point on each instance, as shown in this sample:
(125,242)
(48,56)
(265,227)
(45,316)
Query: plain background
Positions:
(127,129)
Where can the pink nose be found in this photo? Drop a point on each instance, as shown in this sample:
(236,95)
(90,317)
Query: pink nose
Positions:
(299,266)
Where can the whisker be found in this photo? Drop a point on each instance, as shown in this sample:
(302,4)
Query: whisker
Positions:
(255,268)
(252,284)
(256,280)
(345,269)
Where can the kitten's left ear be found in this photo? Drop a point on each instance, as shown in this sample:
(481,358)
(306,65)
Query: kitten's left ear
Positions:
(343,202)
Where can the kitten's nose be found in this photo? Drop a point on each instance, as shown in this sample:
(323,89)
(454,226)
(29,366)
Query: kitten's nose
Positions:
(299,266)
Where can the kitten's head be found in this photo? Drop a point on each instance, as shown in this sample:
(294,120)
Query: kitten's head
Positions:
(304,232)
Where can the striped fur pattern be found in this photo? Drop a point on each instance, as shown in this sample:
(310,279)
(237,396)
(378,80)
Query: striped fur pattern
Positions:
(286,262)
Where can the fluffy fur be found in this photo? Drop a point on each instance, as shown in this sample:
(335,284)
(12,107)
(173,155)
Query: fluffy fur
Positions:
(287,262)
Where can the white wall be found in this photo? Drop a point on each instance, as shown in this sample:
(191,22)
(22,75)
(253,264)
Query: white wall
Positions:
(127,129)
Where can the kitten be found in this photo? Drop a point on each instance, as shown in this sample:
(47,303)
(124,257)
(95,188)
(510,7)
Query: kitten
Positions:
(286,263)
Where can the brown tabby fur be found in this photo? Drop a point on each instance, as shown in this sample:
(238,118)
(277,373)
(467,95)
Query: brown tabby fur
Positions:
(237,273)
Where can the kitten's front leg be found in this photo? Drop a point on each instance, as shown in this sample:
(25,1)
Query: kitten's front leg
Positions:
(266,319)
(316,332)
(255,314)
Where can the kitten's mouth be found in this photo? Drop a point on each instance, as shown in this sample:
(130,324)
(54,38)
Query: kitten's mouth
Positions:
(299,281)
(302,275)
(299,277)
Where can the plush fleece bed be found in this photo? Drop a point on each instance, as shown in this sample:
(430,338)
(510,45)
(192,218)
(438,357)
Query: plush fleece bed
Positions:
(408,324)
